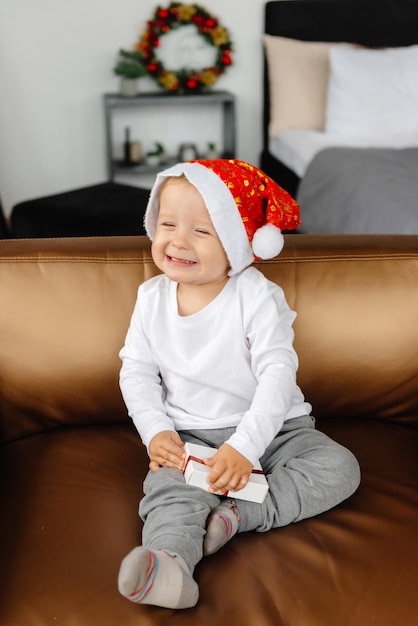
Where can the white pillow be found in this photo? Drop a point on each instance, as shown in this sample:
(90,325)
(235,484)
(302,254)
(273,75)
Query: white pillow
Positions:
(298,74)
(372,91)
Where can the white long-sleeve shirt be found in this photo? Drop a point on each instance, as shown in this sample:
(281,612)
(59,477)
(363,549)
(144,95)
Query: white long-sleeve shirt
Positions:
(230,364)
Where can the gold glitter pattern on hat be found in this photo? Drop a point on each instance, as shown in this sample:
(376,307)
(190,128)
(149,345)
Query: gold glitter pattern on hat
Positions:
(259,199)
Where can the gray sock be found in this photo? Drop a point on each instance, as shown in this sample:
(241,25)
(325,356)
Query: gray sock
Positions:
(160,578)
(223,523)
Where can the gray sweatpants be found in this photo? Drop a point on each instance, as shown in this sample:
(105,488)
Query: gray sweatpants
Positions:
(307,472)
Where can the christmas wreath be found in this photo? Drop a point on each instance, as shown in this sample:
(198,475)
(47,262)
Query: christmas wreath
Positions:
(185,80)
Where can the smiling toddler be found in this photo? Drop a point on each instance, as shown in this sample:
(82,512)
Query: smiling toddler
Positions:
(209,359)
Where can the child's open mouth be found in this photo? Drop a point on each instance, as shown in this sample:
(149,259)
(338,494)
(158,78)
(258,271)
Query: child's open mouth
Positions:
(178,261)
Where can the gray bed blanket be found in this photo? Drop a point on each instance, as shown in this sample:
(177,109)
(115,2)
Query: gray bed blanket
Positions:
(360,190)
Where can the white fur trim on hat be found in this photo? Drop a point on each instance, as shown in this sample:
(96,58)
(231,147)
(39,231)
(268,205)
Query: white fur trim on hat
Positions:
(268,242)
(220,205)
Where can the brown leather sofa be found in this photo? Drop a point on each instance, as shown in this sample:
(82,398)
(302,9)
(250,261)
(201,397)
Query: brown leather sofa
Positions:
(72,464)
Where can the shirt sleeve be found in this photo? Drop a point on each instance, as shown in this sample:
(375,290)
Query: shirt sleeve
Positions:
(140,381)
(274,363)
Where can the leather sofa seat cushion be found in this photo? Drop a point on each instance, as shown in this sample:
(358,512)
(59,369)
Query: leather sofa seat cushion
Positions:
(72,513)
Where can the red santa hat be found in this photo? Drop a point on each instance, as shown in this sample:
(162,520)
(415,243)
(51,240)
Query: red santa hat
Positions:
(247,208)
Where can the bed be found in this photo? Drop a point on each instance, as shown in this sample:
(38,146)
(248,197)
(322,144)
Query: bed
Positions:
(340,114)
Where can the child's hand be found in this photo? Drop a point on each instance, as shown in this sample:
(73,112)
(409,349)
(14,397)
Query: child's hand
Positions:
(166,449)
(230,470)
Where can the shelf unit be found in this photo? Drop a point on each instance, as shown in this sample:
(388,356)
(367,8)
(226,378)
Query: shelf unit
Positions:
(116,101)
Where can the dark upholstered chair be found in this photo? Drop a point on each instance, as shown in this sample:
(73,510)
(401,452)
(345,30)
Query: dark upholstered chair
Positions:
(4,229)
(99,210)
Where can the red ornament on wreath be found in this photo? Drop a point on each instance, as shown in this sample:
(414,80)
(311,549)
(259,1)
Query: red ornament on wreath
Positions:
(185,80)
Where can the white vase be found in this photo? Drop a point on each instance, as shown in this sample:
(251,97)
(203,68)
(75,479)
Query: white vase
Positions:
(128,86)
(153,159)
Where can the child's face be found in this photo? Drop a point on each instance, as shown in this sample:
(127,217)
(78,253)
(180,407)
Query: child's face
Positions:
(186,246)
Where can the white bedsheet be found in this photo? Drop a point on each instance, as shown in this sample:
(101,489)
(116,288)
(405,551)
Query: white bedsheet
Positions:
(297,148)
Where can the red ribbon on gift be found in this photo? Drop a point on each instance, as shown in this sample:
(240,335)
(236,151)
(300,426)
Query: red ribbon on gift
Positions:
(195,458)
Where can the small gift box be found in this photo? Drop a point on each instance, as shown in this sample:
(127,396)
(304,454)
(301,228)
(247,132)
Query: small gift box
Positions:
(196,473)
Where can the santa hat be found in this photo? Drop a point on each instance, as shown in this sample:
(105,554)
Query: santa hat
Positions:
(247,208)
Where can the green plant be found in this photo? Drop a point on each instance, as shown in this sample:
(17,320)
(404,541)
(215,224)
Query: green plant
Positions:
(130,64)
(159,150)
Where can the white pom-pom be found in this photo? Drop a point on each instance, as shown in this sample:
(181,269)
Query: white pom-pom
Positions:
(267,242)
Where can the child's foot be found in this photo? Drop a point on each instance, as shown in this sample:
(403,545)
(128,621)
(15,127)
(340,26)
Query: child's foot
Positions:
(160,578)
(223,523)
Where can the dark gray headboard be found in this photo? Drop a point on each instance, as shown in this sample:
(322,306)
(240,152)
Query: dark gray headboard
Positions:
(373,23)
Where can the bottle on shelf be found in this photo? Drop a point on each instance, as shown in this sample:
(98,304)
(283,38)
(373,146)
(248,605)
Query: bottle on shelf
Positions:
(131,150)
(127,147)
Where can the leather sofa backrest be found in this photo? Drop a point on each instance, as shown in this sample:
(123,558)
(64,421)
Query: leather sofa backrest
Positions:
(65,306)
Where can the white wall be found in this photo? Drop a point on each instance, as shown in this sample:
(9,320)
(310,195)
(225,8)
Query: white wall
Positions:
(56,59)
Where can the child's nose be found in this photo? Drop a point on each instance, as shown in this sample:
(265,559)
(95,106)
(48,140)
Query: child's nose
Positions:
(179,240)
